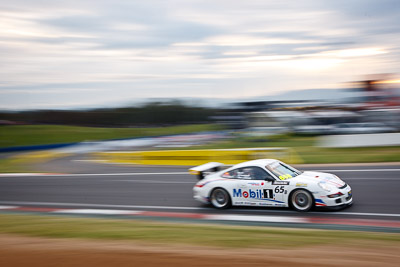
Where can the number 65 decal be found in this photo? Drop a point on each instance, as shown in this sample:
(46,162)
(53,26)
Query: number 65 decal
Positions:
(279,189)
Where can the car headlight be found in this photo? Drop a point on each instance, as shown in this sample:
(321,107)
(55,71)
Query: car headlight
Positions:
(326,186)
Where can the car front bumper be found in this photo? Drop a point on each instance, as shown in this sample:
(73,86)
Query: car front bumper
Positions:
(346,199)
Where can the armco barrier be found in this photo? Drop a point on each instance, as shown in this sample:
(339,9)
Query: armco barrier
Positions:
(198,157)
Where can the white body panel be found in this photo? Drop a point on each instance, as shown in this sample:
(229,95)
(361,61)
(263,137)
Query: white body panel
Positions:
(276,192)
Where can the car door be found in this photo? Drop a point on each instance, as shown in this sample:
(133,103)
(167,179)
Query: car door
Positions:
(253,186)
(272,190)
(259,188)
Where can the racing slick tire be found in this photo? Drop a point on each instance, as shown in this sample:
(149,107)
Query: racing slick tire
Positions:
(220,198)
(301,200)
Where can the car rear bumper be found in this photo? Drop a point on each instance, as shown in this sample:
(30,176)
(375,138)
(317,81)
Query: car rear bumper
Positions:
(197,195)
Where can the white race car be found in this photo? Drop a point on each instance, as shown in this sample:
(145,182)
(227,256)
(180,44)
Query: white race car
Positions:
(270,183)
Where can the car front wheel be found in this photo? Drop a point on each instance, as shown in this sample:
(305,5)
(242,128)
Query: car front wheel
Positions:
(220,198)
(301,200)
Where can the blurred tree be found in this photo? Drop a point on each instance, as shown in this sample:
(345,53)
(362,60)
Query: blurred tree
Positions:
(150,114)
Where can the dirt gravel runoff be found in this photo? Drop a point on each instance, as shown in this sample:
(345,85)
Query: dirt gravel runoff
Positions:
(35,251)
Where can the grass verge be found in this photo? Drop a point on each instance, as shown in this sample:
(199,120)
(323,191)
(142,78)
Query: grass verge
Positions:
(25,162)
(178,233)
(12,165)
(27,135)
(305,148)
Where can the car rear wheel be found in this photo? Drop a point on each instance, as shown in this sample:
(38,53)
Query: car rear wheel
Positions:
(301,200)
(220,199)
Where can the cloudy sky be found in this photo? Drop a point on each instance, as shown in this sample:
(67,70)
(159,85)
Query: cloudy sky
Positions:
(65,54)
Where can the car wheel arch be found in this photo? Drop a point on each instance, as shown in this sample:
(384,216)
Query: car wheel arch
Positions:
(230,203)
(301,189)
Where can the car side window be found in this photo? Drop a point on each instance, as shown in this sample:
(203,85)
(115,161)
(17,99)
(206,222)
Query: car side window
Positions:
(233,174)
(248,173)
(260,174)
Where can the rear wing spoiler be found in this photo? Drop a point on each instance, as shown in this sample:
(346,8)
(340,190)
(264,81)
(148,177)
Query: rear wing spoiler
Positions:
(205,169)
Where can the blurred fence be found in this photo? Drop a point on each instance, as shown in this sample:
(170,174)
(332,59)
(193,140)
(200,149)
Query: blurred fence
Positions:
(198,157)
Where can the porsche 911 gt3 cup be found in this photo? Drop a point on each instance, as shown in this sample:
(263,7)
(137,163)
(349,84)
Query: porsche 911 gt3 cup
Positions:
(270,183)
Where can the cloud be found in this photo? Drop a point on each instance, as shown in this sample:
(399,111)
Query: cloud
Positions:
(118,49)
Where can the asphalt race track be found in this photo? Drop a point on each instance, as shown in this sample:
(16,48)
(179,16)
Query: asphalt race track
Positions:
(83,184)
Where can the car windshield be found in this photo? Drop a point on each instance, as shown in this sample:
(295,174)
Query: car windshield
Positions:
(282,171)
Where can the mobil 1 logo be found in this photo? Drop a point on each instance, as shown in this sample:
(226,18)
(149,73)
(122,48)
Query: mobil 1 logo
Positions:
(269,193)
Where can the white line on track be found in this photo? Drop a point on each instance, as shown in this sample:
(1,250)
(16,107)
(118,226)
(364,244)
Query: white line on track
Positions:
(367,214)
(326,212)
(54,176)
(193,182)
(87,174)
(361,170)
(14,203)
(121,174)
(156,173)
(97,211)
(153,182)
(373,179)
(100,205)
(7,207)
(256,218)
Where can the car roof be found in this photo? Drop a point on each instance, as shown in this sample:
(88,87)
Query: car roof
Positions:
(257,162)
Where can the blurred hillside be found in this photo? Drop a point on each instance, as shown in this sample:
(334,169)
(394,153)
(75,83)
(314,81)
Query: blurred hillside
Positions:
(151,114)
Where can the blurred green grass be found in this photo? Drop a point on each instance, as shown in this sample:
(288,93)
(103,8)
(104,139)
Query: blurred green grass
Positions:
(27,135)
(11,165)
(303,146)
(179,233)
